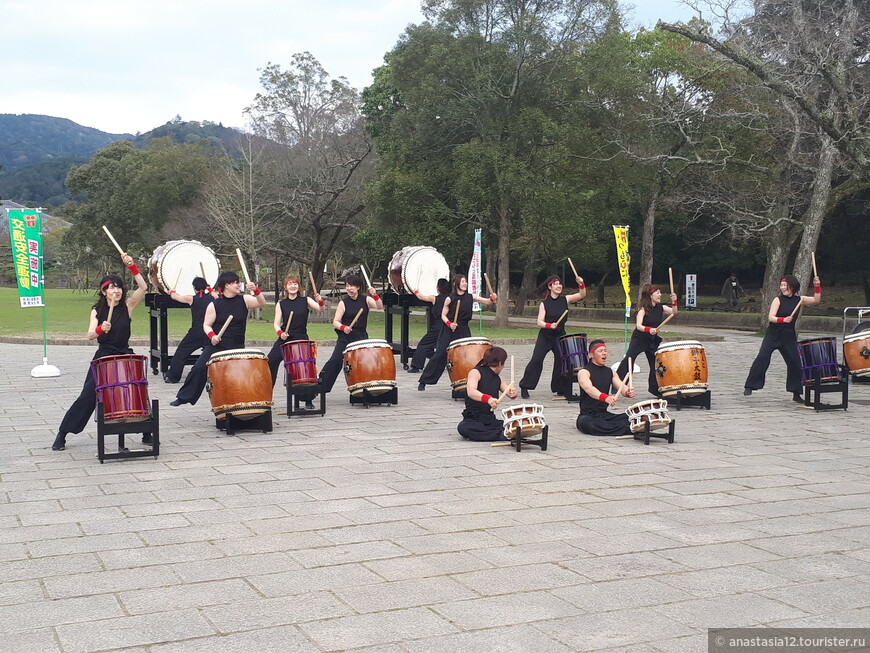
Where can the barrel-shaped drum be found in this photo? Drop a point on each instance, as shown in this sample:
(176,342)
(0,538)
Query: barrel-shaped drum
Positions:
(681,366)
(418,269)
(239,383)
(369,366)
(178,262)
(122,387)
(856,353)
(819,360)
(574,353)
(462,356)
(526,419)
(300,361)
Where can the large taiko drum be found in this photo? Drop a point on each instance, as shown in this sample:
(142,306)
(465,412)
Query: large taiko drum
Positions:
(462,356)
(369,366)
(856,352)
(239,383)
(418,268)
(527,419)
(819,360)
(122,387)
(182,260)
(681,366)
(652,411)
(300,361)
(574,353)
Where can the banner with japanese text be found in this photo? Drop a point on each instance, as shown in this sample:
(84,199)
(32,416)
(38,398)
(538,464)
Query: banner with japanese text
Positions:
(25,237)
(623,259)
(474,275)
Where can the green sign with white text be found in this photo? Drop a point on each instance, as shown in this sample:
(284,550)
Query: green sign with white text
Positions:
(25,236)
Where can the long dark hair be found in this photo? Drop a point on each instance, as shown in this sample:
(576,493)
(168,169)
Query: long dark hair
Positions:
(644,300)
(457,279)
(493,357)
(102,305)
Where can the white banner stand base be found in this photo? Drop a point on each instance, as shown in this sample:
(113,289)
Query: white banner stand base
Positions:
(45,370)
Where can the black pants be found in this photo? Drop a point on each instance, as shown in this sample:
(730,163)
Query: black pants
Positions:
(604,423)
(544,344)
(82,409)
(193,340)
(481,427)
(784,341)
(276,354)
(642,343)
(426,348)
(438,363)
(194,384)
(333,366)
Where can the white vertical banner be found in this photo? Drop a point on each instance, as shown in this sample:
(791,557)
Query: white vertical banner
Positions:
(692,290)
(474,275)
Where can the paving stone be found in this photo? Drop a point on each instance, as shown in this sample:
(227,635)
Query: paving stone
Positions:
(376,628)
(286,639)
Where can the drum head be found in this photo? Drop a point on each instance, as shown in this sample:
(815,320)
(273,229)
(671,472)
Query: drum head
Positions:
(422,268)
(861,326)
(180,259)
(369,342)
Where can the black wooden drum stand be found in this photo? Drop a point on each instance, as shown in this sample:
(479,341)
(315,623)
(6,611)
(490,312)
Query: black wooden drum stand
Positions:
(149,428)
(518,441)
(401,305)
(813,392)
(158,305)
(230,423)
(293,399)
(390,398)
(680,401)
(646,434)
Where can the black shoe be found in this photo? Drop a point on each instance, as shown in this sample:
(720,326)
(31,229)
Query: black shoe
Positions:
(59,442)
(796,396)
(524,393)
(414,370)
(176,402)
(747,392)
(421,387)
(309,405)
(146,438)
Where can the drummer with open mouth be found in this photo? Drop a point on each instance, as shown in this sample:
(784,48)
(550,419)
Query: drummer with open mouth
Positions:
(350,321)
(231,305)
(595,381)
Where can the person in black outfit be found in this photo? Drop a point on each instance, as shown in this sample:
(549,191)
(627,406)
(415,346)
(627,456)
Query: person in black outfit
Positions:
(194,338)
(781,336)
(230,302)
(482,393)
(552,327)
(644,339)
(426,346)
(113,339)
(595,381)
(352,309)
(455,315)
(297,306)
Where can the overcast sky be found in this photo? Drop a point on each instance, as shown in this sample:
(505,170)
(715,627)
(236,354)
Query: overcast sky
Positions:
(127,66)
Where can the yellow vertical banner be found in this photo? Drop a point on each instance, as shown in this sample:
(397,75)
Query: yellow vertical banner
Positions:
(623,258)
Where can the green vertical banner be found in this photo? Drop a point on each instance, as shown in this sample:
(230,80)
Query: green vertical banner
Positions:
(25,236)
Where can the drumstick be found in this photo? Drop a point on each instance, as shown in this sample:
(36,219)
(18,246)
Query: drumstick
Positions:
(244,269)
(664,322)
(313,287)
(114,242)
(177,279)
(456,313)
(512,371)
(562,317)
(224,327)
(365,276)
(573,269)
(624,381)
(624,437)
(111,308)
(201,269)
(488,284)
(815,269)
(358,313)
(289,320)
(800,299)
(630,373)
(671,275)
(502,444)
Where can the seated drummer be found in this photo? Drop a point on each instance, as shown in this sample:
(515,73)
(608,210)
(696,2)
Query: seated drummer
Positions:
(350,321)
(230,302)
(482,393)
(595,381)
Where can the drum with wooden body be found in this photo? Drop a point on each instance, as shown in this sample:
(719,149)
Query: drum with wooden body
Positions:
(187,257)
(122,387)
(300,361)
(369,366)
(525,418)
(573,351)
(681,366)
(653,412)
(819,360)
(239,383)
(856,353)
(418,268)
(462,356)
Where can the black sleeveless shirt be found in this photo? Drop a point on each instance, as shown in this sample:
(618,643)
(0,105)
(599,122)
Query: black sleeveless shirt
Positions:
(786,306)
(351,308)
(466,302)
(554,308)
(299,323)
(489,384)
(654,316)
(234,336)
(117,340)
(602,378)
(201,301)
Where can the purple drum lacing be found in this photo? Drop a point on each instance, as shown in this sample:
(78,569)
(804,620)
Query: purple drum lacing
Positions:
(287,364)
(123,384)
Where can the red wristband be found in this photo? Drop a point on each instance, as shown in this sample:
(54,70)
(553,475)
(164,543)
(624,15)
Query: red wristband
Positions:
(257,291)
(134,269)
(780,320)
(647,329)
(548,325)
(674,304)
(582,285)
(347,327)
(376,297)
(209,289)
(485,399)
(322,302)
(211,334)
(817,289)
(449,324)
(416,292)
(603,396)
(280,332)
(172,291)
(99,330)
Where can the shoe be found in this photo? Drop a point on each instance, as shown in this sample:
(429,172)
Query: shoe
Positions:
(796,396)
(524,393)
(421,387)
(59,442)
(176,402)
(309,405)
(747,392)
(414,370)
(146,438)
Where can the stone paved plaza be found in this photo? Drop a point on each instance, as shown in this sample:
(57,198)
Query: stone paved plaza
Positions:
(381,530)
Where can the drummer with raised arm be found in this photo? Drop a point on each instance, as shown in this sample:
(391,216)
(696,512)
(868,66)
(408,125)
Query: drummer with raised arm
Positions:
(426,347)
(350,322)
(194,339)
(229,314)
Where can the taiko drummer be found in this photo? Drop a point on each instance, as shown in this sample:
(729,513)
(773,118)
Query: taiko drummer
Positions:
(229,313)
(481,398)
(113,338)
(194,339)
(595,381)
